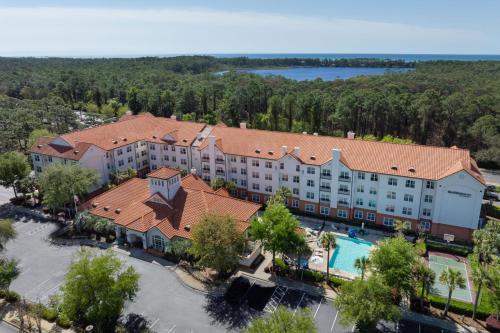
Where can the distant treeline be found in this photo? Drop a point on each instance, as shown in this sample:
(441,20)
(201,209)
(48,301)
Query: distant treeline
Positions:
(442,103)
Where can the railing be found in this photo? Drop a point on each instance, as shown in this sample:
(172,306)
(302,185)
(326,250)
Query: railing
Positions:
(217,160)
(324,200)
(342,204)
(219,172)
(325,188)
(344,179)
(326,176)
(344,192)
(205,159)
(206,170)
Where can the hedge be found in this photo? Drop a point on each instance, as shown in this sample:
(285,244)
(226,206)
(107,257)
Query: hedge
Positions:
(451,249)
(337,282)
(12,296)
(63,322)
(459,307)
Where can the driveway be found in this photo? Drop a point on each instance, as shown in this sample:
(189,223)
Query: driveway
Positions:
(5,194)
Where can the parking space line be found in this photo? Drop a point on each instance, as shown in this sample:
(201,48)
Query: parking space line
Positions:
(172,329)
(297,307)
(334,320)
(317,309)
(154,323)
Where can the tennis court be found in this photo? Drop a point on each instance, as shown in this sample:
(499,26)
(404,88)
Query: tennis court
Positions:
(439,264)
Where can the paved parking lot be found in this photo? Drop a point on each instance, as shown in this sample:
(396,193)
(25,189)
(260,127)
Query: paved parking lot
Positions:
(164,304)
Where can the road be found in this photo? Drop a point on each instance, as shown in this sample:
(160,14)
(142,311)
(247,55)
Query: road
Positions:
(5,194)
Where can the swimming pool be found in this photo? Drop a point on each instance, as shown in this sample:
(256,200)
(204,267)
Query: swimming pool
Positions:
(347,251)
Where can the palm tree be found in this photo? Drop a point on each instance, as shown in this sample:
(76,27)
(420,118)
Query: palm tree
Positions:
(7,232)
(328,242)
(362,265)
(425,276)
(452,278)
(400,226)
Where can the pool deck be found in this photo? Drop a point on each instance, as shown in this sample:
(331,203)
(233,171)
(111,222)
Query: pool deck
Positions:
(339,229)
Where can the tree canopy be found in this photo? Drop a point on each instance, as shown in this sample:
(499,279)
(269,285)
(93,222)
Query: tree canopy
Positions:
(13,168)
(283,320)
(95,289)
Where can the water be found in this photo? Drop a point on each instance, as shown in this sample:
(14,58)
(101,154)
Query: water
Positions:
(391,56)
(325,73)
(347,251)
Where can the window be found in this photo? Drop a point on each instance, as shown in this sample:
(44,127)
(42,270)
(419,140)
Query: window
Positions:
(234,170)
(358,214)
(309,208)
(152,147)
(119,152)
(255,163)
(38,169)
(344,175)
(391,195)
(282,166)
(324,210)
(295,203)
(37,158)
(109,166)
(120,163)
(50,159)
(158,242)
(255,186)
(153,157)
(268,165)
(343,201)
(425,225)
(428,198)
(429,184)
(324,197)
(426,212)
(130,159)
(408,197)
(410,183)
(244,182)
(342,213)
(359,202)
(372,203)
(143,143)
(129,149)
(374,177)
(389,208)
(326,173)
(311,170)
(172,148)
(297,168)
(268,176)
(310,183)
(360,189)
(143,153)
(174,159)
(284,178)
(153,166)
(184,161)
(310,195)
(255,174)
(373,190)
(370,217)
(388,221)
(255,198)
(344,189)
(145,162)
(295,191)
(183,151)
(407,211)
(392,181)
(165,147)
(361,175)
(268,188)
(296,179)
(243,159)
(243,171)
(232,159)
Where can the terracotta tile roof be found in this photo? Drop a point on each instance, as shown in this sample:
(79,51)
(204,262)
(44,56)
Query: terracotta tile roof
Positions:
(174,219)
(147,128)
(44,147)
(428,162)
(164,173)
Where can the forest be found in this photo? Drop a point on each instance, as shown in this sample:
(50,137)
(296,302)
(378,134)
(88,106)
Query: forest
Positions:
(444,103)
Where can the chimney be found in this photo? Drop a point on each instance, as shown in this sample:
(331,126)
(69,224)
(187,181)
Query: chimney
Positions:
(350,135)
(284,150)
(173,117)
(336,155)
(198,136)
(296,151)
(193,171)
(315,133)
(243,125)
(211,140)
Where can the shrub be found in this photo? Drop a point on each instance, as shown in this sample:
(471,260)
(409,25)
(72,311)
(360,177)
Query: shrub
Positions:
(49,314)
(281,266)
(313,276)
(63,322)
(111,238)
(120,329)
(12,296)
(337,282)
(3,293)
(420,247)
(459,307)
(451,249)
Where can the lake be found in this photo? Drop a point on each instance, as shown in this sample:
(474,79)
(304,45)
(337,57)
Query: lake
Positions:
(324,73)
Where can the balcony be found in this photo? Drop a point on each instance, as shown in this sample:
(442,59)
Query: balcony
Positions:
(205,159)
(345,192)
(324,200)
(219,161)
(325,188)
(344,179)
(220,172)
(342,204)
(326,176)
(206,170)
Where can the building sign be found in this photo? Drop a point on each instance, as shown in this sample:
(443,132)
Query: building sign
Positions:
(462,194)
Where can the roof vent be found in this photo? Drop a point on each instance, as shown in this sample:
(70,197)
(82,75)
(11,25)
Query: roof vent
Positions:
(199,136)
(115,142)
(270,152)
(411,169)
(315,133)
(304,133)
(184,140)
(187,227)
(118,210)
(257,151)
(76,152)
(154,136)
(106,208)
(313,158)
(124,139)
(39,146)
(394,167)
(454,147)
(95,204)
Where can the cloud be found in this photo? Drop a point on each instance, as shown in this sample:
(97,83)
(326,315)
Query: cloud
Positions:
(111,31)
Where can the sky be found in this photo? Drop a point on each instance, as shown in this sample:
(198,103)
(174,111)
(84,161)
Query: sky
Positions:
(154,27)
